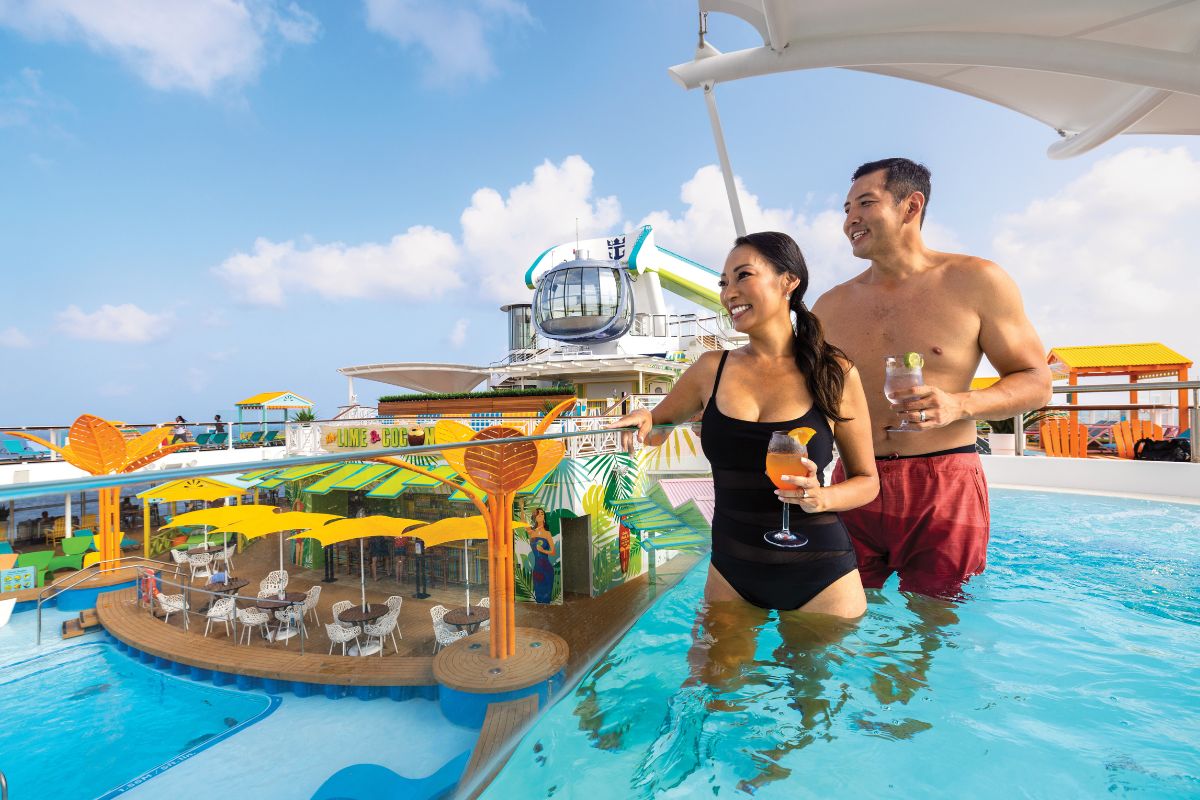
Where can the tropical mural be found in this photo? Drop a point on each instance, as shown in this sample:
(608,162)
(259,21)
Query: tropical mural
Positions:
(537,571)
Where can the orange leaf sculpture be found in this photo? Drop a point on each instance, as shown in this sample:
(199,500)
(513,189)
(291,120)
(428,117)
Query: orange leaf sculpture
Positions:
(498,469)
(98,447)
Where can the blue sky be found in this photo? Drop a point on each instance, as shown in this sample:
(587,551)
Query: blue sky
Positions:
(197,208)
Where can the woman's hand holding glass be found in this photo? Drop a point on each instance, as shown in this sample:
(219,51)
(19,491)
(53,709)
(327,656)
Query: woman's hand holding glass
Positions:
(809,494)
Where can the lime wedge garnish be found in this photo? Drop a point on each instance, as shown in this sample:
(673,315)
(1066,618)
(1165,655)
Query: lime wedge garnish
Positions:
(914,360)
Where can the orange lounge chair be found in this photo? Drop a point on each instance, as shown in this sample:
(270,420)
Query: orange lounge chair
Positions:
(1061,439)
(1126,435)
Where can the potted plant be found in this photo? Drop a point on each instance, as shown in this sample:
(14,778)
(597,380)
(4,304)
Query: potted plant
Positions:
(305,415)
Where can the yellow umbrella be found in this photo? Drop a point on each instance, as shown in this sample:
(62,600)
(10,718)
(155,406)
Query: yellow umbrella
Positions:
(454,529)
(224,515)
(265,524)
(344,530)
(219,516)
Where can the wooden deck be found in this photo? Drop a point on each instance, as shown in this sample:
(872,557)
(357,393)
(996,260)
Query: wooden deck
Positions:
(500,728)
(135,626)
(467,667)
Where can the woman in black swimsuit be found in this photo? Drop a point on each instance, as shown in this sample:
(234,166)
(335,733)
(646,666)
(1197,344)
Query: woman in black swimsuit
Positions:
(786,377)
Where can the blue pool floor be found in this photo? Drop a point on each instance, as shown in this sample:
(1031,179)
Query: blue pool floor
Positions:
(290,753)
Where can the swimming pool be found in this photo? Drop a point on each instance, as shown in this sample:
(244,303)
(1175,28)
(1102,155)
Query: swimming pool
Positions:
(87,721)
(1070,671)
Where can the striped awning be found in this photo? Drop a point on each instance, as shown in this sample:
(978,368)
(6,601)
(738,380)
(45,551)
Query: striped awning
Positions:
(330,480)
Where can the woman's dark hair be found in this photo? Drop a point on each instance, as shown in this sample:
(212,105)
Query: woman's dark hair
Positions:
(816,358)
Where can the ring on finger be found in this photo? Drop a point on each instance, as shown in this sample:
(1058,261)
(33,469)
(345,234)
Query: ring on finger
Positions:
(922,416)
(803,493)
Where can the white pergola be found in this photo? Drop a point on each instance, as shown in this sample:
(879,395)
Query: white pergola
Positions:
(1090,69)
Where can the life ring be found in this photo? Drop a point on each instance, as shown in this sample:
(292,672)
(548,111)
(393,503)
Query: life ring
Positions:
(148,586)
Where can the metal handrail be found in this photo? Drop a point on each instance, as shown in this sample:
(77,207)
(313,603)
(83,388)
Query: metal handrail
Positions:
(17,491)
(42,599)
(3,786)
(1193,405)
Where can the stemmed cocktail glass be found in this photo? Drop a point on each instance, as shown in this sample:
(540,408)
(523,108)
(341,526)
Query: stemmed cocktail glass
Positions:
(785,456)
(900,373)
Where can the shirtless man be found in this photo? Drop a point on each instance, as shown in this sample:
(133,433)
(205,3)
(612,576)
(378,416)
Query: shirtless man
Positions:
(930,520)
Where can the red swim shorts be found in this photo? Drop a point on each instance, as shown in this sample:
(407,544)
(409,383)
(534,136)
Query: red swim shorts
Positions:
(929,523)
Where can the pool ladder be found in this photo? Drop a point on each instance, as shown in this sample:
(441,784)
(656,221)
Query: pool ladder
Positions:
(3,786)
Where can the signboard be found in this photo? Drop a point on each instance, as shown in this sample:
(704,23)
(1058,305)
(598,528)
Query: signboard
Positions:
(372,436)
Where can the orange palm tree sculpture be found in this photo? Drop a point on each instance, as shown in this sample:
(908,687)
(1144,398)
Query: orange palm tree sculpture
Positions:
(97,447)
(497,470)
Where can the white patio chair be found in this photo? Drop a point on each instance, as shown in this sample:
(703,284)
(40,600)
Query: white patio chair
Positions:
(443,634)
(276,581)
(379,631)
(220,611)
(337,633)
(394,602)
(338,608)
(170,603)
(486,602)
(252,618)
(179,556)
(225,557)
(201,564)
(292,615)
(310,603)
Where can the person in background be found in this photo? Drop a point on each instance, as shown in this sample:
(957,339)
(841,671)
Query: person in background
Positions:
(218,425)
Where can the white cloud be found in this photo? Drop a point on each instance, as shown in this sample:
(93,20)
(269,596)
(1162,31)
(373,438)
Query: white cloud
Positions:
(453,35)
(194,45)
(421,256)
(458,334)
(123,323)
(503,235)
(1106,259)
(11,337)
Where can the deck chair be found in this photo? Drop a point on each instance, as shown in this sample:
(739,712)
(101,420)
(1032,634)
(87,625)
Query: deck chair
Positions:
(272,437)
(73,548)
(253,440)
(1126,434)
(1061,439)
(39,560)
(218,440)
(203,439)
(21,449)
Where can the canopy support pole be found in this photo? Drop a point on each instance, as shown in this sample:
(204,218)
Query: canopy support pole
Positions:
(735,207)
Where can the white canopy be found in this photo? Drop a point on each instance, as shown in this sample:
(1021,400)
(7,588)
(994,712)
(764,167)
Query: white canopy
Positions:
(1090,69)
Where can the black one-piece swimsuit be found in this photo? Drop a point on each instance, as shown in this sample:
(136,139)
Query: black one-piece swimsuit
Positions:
(747,508)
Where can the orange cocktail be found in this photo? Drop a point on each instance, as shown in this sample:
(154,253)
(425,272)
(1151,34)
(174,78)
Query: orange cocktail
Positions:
(780,464)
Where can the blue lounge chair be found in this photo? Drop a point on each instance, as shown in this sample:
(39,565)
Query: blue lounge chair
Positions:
(21,449)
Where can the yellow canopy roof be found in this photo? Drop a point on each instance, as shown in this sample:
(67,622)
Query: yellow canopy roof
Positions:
(226,515)
(190,489)
(275,400)
(344,530)
(455,529)
(254,527)
(1109,356)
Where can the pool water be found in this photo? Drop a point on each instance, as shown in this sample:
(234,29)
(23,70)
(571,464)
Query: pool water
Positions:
(1072,669)
(83,721)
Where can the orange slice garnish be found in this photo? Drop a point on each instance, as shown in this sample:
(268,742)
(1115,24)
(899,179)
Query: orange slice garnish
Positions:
(802,435)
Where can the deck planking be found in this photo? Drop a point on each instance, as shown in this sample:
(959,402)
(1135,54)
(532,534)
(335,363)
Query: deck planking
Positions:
(467,667)
(121,616)
(501,725)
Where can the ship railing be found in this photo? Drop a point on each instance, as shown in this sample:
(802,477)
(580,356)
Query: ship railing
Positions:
(1188,406)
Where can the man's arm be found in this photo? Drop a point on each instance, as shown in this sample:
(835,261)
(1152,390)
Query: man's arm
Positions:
(1013,347)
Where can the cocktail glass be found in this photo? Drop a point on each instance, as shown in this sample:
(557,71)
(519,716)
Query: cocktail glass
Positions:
(900,373)
(785,457)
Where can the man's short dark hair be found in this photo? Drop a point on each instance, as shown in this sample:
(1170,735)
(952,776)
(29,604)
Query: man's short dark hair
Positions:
(902,177)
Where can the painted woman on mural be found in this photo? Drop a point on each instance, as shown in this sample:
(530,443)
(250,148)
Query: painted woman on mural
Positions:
(541,540)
